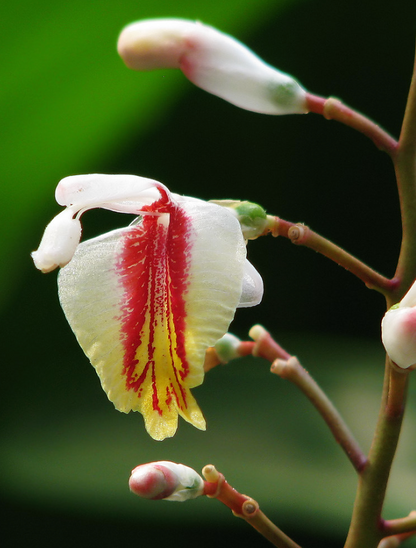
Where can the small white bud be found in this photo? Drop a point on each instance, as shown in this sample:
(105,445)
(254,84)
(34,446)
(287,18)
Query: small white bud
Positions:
(59,242)
(398,330)
(166,480)
(212,60)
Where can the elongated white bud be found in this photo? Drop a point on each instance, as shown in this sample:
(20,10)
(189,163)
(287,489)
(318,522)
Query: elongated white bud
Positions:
(212,60)
(166,480)
(59,242)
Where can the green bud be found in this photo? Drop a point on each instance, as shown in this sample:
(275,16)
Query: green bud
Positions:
(227,347)
(252,217)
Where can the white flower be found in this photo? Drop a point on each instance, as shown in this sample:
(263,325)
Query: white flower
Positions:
(146,301)
(212,60)
(398,330)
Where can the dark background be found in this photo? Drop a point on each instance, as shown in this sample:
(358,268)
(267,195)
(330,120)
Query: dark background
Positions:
(69,106)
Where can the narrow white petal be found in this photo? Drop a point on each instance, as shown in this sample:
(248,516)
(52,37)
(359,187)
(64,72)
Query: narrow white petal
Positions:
(124,193)
(252,290)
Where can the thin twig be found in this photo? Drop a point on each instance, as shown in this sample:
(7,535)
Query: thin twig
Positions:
(334,109)
(244,507)
(300,234)
(295,373)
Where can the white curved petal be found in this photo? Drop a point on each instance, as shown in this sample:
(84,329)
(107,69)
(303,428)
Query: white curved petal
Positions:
(124,193)
(59,242)
(252,290)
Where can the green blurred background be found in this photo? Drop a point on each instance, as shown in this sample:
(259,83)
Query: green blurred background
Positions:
(70,106)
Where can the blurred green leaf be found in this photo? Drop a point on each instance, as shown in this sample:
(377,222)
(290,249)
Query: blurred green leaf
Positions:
(68,103)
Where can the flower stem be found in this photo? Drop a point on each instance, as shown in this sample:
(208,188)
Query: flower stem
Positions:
(405,166)
(245,507)
(366,530)
(334,109)
(295,373)
(300,234)
(402,525)
(367,527)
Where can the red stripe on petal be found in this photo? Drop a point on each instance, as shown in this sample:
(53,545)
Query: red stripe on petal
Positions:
(154,267)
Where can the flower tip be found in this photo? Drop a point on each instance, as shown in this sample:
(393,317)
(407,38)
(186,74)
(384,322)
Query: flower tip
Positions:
(152,44)
(151,481)
(257,332)
(59,242)
(165,480)
(43,262)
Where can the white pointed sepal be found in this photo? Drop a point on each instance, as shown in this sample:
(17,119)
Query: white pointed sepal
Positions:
(212,60)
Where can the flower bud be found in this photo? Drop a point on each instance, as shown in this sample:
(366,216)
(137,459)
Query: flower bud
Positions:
(252,217)
(59,242)
(166,480)
(398,330)
(212,60)
(227,347)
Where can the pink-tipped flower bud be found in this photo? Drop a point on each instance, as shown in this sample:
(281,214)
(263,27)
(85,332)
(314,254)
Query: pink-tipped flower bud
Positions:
(166,480)
(398,330)
(212,60)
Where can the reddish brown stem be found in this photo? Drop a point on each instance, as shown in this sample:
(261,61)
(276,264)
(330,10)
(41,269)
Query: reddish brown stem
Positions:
(334,109)
(399,526)
(245,507)
(300,234)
